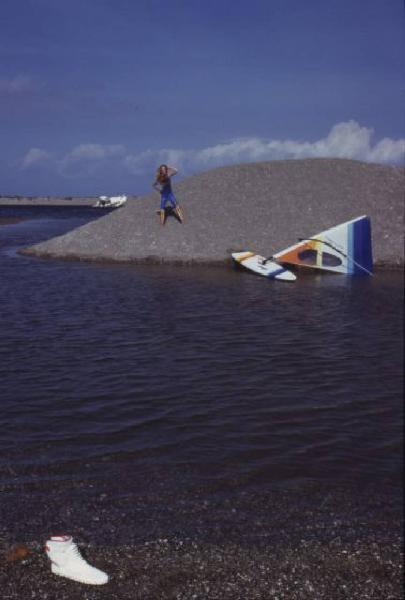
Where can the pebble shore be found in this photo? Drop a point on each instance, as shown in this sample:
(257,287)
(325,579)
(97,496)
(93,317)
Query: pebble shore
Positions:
(262,207)
(309,542)
(47,201)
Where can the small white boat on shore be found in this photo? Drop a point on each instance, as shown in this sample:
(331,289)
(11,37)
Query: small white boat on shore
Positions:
(110,201)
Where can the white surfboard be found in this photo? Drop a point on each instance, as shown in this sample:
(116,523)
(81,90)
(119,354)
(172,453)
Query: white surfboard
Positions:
(262,266)
(345,248)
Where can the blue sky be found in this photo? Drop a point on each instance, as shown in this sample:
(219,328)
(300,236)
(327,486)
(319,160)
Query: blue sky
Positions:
(94,94)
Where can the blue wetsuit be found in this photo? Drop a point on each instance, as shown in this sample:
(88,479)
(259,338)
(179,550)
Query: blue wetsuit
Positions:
(166,194)
(165,189)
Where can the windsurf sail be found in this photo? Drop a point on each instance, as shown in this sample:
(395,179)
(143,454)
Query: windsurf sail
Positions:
(345,248)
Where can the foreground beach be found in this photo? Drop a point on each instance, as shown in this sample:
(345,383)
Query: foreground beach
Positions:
(301,543)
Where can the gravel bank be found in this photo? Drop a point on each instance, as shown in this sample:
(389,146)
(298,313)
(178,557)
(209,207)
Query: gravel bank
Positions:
(260,206)
(46,201)
(308,543)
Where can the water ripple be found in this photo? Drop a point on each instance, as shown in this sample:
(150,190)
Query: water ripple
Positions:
(207,367)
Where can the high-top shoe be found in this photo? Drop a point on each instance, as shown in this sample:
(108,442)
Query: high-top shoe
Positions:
(67,561)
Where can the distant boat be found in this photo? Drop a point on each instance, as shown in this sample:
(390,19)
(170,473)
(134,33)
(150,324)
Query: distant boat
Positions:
(345,248)
(110,201)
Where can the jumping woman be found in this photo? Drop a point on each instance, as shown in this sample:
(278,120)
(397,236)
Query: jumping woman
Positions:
(163,185)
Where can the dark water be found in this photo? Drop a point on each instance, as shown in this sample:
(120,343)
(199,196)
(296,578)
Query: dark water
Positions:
(217,372)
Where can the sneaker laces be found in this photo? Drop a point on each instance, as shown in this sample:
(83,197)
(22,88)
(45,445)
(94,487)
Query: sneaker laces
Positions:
(75,555)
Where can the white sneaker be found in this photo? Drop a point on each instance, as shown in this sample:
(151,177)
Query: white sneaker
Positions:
(67,561)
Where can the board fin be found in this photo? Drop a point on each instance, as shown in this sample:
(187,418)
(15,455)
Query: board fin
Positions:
(345,248)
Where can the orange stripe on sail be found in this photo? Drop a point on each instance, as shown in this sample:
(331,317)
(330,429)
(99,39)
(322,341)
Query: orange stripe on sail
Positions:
(292,255)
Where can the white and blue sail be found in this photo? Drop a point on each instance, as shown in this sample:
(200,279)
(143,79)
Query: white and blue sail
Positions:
(346,248)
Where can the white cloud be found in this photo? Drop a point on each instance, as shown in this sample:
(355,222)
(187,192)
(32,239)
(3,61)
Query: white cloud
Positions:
(16,85)
(94,152)
(149,160)
(34,156)
(387,150)
(88,158)
(345,140)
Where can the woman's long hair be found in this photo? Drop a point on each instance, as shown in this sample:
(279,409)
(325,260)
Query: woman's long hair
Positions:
(159,176)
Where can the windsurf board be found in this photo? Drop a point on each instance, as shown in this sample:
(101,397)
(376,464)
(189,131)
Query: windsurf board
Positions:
(262,266)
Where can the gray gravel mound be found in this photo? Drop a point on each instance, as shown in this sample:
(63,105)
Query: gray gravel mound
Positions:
(261,206)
